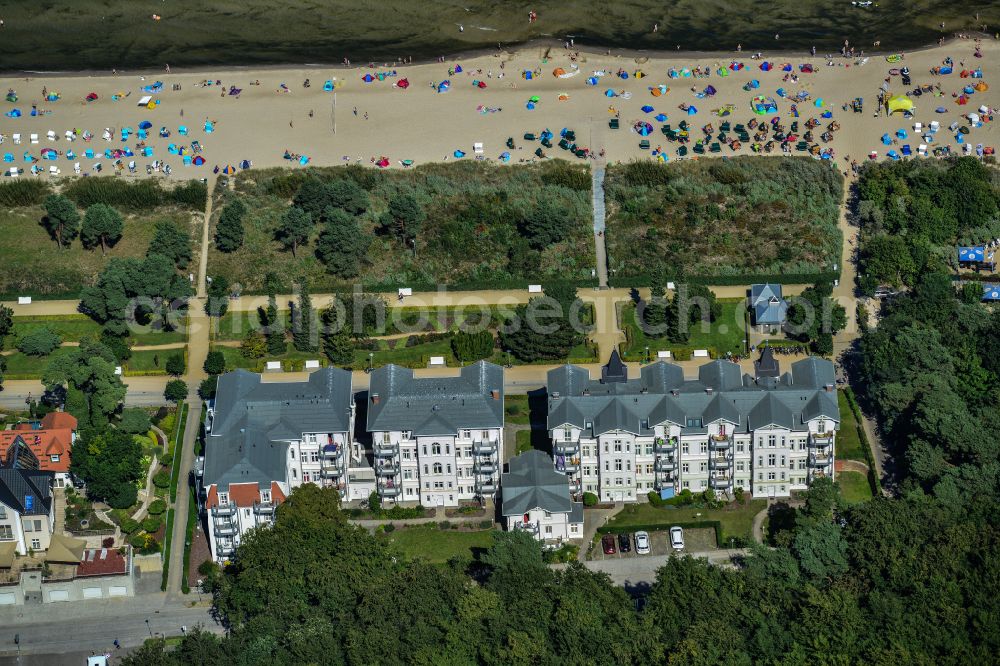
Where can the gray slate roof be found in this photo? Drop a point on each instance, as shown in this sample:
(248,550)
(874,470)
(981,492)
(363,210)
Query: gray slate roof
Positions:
(767,304)
(16,485)
(532,483)
(254,420)
(660,395)
(431,406)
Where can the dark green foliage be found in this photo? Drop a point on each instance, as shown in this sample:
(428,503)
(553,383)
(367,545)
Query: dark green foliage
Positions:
(721,219)
(157,507)
(151,524)
(175,364)
(545,329)
(191,194)
(815,317)
(6,323)
(295,228)
(215,363)
(62,219)
(469,347)
(94,392)
(590,499)
(131,289)
(218,297)
(206,389)
(3,369)
(110,462)
(20,192)
(342,245)
(161,479)
(129,526)
(176,390)
(305,332)
(102,225)
(346,195)
(134,421)
(118,345)
(272,327)
(172,242)
(140,195)
(39,342)
(229,230)
(545,224)
(404,218)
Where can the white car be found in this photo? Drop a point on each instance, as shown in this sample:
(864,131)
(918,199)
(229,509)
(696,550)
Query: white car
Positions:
(642,543)
(677,538)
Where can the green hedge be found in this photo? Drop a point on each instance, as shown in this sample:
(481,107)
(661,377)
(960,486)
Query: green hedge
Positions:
(866,447)
(23,192)
(166,550)
(192,520)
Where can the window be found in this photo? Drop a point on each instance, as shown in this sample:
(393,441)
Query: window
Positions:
(406,434)
(618,481)
(447,449)
(291,453)
(54,457)
(567,435)
(684,468)
(770,476)
(426,469)
(782,461)
(466,434)
(548,529)
(438,468)
(782,488)
(435,449)
(407,454)
(548,514)
(439,485)
(740,447)
(704,447)
(306,477)
(685,484)
(265,496)
(424,448)
(771,460)
(740,466)
(771,440)
(36,544)
(685,448)
(618,446)
(702,466)
(449,469)
(409,492)
(386,439)
(223,498)
(618,465)
(314,457)
(6,533)
(3,512)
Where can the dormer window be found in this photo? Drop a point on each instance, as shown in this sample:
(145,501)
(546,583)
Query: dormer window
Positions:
(54,457)
(223,499)
(265,496)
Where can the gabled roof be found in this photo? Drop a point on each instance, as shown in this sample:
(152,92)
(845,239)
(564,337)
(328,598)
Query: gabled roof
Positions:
(398,401)
(532,483)
(767,365)
(667,410)
(721,375)
(822,403)
(813,372)
(615,370)
(771,411)
(767,304)
(18,485)
(721,409)
(43,444)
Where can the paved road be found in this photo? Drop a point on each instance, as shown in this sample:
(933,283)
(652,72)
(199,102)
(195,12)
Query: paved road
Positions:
(83,626)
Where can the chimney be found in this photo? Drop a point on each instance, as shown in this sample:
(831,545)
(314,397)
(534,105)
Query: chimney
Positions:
(673,392)
(708,390)
(495,394)
(828,387)
(555,395)
(374,398)
(586,391)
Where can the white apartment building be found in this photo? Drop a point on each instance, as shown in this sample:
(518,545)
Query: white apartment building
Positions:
(535,498)
(27,508)
(621,438)
(265,438)
(436,440)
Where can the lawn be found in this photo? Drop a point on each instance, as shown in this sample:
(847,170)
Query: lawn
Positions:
(149,361)
(471,235)
(745,216)
(416,356)
(722,335)
(523,438)
(848,442)
(438,546)
(291,361)
(517,411)
(735,522)
(22,366)
(75,327)
(854,487)
(34,265)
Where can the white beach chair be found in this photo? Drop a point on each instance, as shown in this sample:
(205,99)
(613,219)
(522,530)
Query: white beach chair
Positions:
(106,135)
(51,135)
(985,110)
(76,168)
(935,126)
(54,170)
(922,150)
(13,172)
(17,139)
(917,127)
(967,148)
(34,138)
(70,136)
(477,148)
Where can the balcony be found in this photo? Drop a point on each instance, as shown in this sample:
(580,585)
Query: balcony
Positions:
(486,487)
(264,508)
(720,463)
(388,491)
(575,486)
(718,483)
(566,448)
(719,443)
(387,469)
(331,472)
(225,551)
(484,447)
(821,439)
(527,527)
(385,451)
(224,528)
(665,465)
(819,460)
(335,454)
(225,509)
(661,445)
(486,467)
(666,481)
(571,466)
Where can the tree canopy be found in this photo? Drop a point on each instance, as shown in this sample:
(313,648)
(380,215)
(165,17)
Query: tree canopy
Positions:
(110,462)
(94,391)
(128,288)
(62,219)
(102,225)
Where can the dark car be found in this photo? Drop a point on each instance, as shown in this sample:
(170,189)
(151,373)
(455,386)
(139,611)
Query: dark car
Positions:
(624,543)
(608,544)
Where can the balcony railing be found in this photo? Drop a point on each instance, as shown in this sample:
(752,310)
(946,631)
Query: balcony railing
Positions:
(574,485)
(225,509)
(486,467)
(719,443)
(484,447)
(226,551)
(527,527)
(486,487)
(566,448)
(821,439)
(333,455)
(571,466)
(385,451)
(661,445)
(264,508)
(387,469)
(816,460)
(720,483)
(331,472)
(388,491)
(716,462)
(665,465)
(224,528)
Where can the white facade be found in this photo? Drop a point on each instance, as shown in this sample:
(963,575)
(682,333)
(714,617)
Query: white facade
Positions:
(546,526)
(29,532)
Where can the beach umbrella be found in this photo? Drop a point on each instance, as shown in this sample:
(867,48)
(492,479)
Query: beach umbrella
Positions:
(941,109)
(647,109)
(27,157)
(660,117)
(962,101)
(886,139)
(530,106)
(609,93)
(592,81)
(91,97)
(765,66)
(534,98)
(245,164)
(818,103)
(527,75)
(328,85)
(229,169)
(692,110)
(754,83)
(367,78)
(145,124)
(444,86)
(558,71)
(198,160)
(787,67)
(382,163)
(8,157)
(458,69)
(505,156)
(623,75)
(968,90)
(403,83)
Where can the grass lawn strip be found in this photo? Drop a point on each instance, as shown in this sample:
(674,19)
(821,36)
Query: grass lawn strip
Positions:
(436,545)
(854,487)
(722,335)
(848,443)
(733,522)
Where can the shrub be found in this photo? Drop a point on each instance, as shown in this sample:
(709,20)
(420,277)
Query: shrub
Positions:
(156,507)
(40,342)
(215,363)
(738,494)
(18,193)
(486,524)
(513,409)
(590,499)
(140,195)
(107,542)
(134,421)
(129,525)
(654,499)
(389,527)
(166,459)
(444,525)
(191,194)
(469,347)
(176,390)
(208,568)
(161,479)
(151,523)
(175,364)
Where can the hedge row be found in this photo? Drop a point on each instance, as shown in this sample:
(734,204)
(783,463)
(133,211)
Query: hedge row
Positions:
(19,193)
(729,280)
(484,285)
(873,480)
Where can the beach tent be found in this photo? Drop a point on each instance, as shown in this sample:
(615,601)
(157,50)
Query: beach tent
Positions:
(527,75)
(535,99)
(962,100)
(710,90)
(981,86)
(558,71)
(592,81)
(643,128)
(639,74)
(52,97)
(245,164)
(328,85)
(660,117)
(940,109)
(610,93)
(13,113)
(153,88)
(623,75)
(382,163)
(723,72)
(444,86)
(900,103)
(145,124)
(692,110)
(458,69)
(647,109)
(198,160)
(807,68)
(787,67)
(459,154)
(91,97)
(530,106)
(8,157)
(367,78)
(12,97)
(762,105)
(403,83)
(766,66)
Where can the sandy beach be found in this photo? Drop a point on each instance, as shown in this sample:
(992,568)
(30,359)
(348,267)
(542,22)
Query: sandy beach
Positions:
(363,122)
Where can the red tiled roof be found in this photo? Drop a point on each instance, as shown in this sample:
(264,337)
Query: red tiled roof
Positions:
(244,494)
(277,495)
(212,499)
(44,444)
(59,420)
(101,562)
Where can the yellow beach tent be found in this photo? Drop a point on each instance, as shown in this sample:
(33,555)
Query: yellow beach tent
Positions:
(900,103)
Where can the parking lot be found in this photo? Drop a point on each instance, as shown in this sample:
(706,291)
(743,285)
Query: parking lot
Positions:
(695,540)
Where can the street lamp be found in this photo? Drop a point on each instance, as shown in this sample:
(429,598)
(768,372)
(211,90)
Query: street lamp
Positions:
(371,356)
(148,628)
(647,353)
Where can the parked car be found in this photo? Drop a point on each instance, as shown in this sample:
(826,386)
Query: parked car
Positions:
(677,538)
(624,543)
(608,544)
(642,543)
